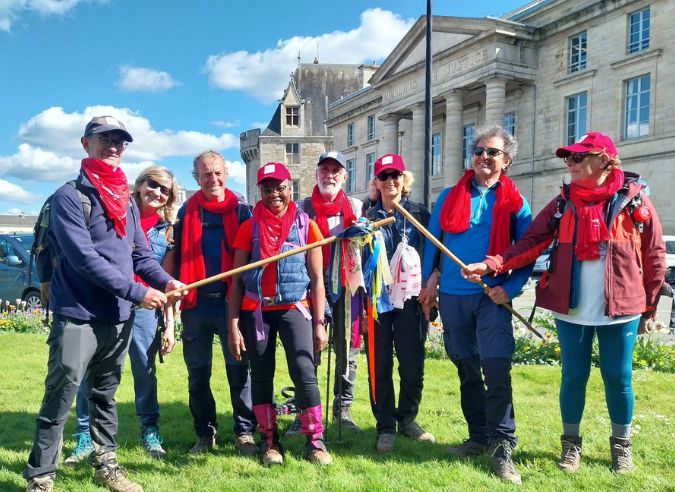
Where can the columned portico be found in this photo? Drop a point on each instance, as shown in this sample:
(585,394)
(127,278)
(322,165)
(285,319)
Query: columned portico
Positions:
(452,146)
(495,94)
(416,163)
(388,143)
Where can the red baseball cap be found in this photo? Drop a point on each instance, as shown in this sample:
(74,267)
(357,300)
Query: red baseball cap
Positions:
(389,161)
(590,142)
(273,170)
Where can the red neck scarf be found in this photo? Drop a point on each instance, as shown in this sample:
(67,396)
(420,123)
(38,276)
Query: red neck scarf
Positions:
(591,229)
(192,266)
(324,210)
(113,189)
(456,212)
(273,229)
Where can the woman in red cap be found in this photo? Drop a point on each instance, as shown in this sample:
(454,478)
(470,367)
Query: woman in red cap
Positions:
(276,300)
(403,329)
(607,265)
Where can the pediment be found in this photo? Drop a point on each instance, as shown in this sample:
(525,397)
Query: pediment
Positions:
(291,96)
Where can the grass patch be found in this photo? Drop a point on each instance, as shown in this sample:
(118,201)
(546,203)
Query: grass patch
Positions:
(411,466)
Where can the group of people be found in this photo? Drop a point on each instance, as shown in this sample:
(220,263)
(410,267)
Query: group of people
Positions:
(606,269)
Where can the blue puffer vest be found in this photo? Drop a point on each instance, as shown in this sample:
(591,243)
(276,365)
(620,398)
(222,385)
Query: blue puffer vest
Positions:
(292,276)
(159,236)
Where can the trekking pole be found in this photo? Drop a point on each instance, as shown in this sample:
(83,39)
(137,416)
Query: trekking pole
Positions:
(461,264)
(330,342)
(271,259)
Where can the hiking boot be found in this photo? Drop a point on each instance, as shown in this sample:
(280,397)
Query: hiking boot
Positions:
(344,418)
(294,429)
(82,450)
(152,442)
(317,454)
(272,456)
(246,444)
(622,455)
(385,442)
(40,484)
(412,429)
(111,475)
(204,444)
(501,462)
(468,449)
(570,457)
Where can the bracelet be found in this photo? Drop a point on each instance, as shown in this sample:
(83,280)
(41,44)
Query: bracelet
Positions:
(321,322)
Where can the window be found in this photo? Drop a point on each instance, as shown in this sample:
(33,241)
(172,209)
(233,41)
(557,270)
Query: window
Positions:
(638,31)
(292,153)
(350,134)
(436,154)
(371,127)
(296,190)
(577,59)
(293,116)
(370,165)
(466,144)
(510,123)
(575,117)
(636,112)
(351,175)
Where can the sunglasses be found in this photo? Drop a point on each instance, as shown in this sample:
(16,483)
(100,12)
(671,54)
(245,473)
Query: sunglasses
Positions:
(107,141)
(490,151)
(279,190)
(386,176)
(154,185)
(578,157)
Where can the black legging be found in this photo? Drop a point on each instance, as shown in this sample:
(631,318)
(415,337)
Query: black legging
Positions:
(296,336)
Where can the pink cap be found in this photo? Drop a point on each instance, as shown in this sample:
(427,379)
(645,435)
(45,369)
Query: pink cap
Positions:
(273,170)
(389,161)
(590,142)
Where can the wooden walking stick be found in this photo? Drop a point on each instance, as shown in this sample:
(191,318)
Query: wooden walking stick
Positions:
(461,264)
(271,259)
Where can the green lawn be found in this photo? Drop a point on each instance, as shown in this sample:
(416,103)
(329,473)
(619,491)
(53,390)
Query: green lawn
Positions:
(411,466)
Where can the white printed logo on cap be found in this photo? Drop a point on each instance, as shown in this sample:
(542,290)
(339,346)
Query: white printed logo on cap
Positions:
(388,159)
(269,168)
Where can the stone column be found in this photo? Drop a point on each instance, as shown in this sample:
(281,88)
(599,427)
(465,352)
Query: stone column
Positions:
(388,143)
(415,163)
(453,159)
(495,94)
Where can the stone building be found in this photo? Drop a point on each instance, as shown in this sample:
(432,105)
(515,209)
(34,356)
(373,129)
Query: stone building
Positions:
(297,134)
(549,71)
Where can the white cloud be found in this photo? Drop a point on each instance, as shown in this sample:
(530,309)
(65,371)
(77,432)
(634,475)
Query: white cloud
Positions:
(11,10)
(236,174)
(139,79)
(265,74)
(226,124)
(17,193)
(50,148)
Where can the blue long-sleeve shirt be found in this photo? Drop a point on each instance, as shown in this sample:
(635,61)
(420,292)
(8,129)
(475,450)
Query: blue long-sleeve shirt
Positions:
(94,278)
(472,245)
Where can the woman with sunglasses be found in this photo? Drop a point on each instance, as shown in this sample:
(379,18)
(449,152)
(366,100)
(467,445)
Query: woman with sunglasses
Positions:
(482,214)
(155,192)
(606,269)
(402,329)
(284,299)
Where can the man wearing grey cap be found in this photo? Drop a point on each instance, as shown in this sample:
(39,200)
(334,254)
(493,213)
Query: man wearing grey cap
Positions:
(334,211)
(91,296)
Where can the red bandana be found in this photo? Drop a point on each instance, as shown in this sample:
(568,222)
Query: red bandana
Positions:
(113,189)
(456,212)
(192,266)
(324,210)
(273,229)
(591,229)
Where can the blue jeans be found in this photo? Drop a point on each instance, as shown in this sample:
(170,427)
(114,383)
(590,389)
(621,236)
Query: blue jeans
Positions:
(142,352)
(616,343)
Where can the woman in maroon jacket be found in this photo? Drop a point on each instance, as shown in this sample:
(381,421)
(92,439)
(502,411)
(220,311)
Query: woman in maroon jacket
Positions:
(606,268)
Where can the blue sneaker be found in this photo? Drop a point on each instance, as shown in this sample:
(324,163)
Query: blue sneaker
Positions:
(152,442)
(82,450)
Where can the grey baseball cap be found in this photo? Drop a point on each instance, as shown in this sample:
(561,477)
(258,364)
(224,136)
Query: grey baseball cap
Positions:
(334,155)
(102,124)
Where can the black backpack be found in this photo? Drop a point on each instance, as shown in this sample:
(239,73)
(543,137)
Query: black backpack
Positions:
(43,253)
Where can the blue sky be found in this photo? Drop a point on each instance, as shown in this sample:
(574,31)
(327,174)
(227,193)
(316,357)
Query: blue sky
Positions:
(183,75)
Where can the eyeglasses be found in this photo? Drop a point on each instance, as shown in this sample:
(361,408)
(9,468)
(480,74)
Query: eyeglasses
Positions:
(154,185)
(490,151)
(279,190)
(111,142)
(386,176)
(578,157)
(327,172)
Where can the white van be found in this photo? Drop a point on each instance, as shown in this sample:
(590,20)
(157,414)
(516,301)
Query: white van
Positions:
(670,250)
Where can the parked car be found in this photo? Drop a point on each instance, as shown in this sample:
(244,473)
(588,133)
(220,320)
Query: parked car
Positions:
(15,267)
(670,259)
(541,263)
